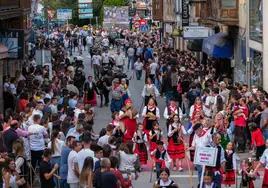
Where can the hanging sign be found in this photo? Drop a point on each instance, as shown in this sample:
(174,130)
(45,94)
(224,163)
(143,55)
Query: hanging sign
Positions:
(185,13)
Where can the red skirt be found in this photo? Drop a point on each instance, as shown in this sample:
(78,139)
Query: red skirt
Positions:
(265,179)
(153,146)
(143,156)
(230,178)
(144,128)
(91,102)
(131,127)
(175,151)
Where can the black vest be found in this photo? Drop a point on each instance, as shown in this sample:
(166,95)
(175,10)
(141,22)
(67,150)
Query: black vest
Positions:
(169,186)
(218,162)
(154,139)
(229,160)
(159,155)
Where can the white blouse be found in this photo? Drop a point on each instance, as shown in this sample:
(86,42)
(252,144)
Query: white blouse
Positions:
(264,158)
(144,111)
(170,133)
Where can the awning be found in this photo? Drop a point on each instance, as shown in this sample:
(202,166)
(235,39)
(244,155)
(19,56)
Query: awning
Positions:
(3,51)
(195,45)
(218,46)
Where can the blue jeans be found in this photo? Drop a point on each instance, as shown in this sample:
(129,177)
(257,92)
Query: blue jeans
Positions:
(231,132)
(138,74)
(53,161)
(130,62)
(115,105)
(64,184)
(199,171)
(169,95)
(265,134)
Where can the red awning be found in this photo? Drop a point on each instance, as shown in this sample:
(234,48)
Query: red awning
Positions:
(3,51)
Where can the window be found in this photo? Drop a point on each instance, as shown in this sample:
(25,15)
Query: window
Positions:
(255,20)
(256,68)
(228,4)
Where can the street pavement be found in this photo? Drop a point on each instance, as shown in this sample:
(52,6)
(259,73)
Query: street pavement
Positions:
(103,117)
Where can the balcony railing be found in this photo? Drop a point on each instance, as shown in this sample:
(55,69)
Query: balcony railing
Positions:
(9,4)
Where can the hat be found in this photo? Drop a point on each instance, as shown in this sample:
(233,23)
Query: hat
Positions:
(128,100)
(197,126)
(40,102)
(116,80)
(182,69)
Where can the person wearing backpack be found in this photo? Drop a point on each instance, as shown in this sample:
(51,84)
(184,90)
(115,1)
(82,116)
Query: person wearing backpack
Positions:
(165,181)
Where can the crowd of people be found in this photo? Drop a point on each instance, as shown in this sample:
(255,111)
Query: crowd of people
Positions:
(47,128)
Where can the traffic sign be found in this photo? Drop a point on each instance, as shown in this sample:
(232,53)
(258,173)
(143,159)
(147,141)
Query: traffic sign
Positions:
(64,14)
(137,24)
(142,22)
(136,17)
(144,28)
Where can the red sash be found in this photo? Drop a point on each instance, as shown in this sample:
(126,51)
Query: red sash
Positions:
(173,111)
(116,86)
(151,108)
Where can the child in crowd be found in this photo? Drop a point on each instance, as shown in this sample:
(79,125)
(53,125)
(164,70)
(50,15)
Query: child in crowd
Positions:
(140,144)
(247,174)
(230,165)
(164,180)
(155,135)
(176,148)
(161,157)
(208,180)
(257,139)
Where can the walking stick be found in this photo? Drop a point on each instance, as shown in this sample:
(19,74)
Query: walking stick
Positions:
(141,106)
(152,173)
(188,165)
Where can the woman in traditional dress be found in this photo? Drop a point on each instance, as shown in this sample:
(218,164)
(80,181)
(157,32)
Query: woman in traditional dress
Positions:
(150,114)
(119,129)
(140,140)
(91,92)
(176,143)
(128,115)
(149,91)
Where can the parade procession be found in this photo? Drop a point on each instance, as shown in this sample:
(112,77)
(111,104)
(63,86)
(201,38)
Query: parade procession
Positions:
(126,94)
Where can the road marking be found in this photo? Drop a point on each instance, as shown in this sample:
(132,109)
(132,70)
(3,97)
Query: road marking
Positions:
(194,176)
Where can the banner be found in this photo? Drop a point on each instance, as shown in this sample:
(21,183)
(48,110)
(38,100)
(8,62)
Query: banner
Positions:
(116,15)
(185,13)
(64,14)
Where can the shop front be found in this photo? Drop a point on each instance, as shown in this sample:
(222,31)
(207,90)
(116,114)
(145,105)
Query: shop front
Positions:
(256,68)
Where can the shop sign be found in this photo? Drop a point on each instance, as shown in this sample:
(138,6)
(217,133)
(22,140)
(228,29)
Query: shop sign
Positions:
(64,14)
(206,156)
(195,32)
(168,28)
(185,13)
(13,40)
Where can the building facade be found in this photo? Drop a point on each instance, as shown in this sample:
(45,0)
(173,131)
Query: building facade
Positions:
(14,33)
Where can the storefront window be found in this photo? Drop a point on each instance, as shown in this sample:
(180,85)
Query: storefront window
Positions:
(256,72)
(255,20)
(228,4)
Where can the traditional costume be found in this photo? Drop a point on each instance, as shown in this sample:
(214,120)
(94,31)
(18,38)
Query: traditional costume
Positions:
(140,140)
(159,135)
(149,91)
(230,167)
(91,92)
(264,161)
(153,113)
(171,110)
(130,122)
(175,141)
(161,159)
(247,180)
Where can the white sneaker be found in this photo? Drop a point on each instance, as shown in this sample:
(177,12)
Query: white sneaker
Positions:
(174,168)
(180,169)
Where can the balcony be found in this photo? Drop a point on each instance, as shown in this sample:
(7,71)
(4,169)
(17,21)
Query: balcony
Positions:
(9,4)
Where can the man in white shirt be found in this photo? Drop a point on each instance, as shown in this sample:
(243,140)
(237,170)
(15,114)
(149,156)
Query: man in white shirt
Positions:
(104,140)
(38,110)
(96,58)
(105,43)
(119,60)
(73,173)
(37,140)
(207,103)
(84,153)
(201,139)
(89,40)
(105,58)
(153,68)
(138,66)
(130,56)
